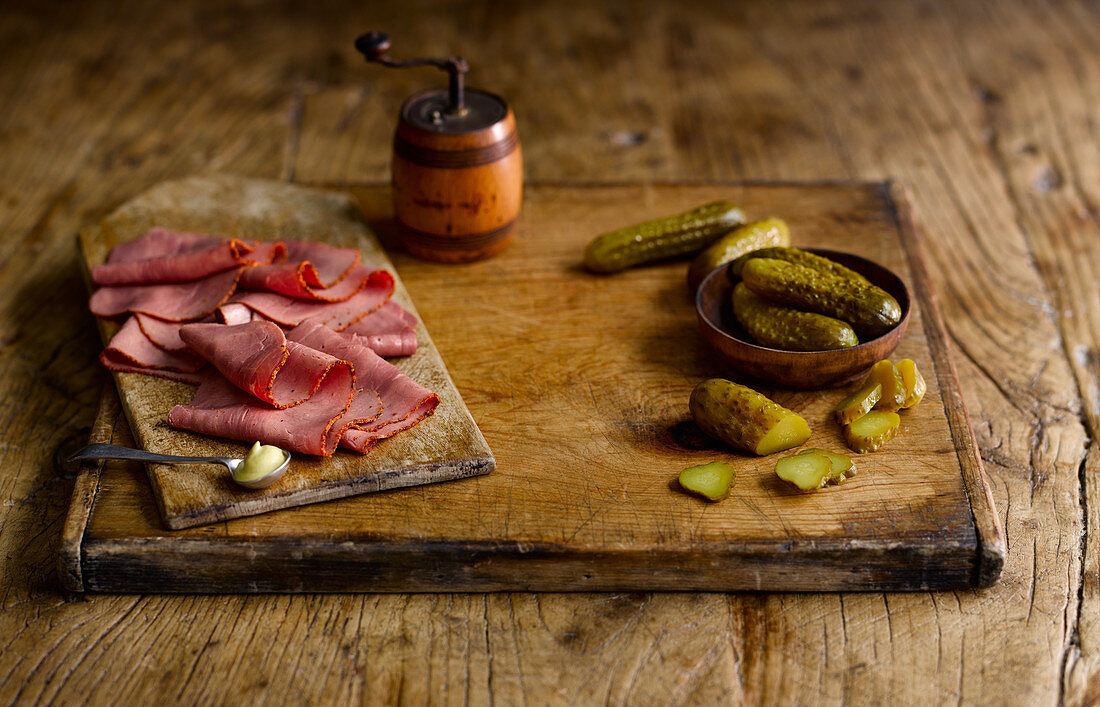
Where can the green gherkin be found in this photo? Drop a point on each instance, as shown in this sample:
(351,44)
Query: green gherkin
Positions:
(798,257)
(744,418)
(663,238)
(780,327)
(869,309)
(743,239)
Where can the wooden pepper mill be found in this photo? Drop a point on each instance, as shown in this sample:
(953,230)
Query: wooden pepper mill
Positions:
(457,165)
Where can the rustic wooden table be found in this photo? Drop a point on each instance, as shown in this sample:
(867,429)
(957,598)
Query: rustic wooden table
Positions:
(987,111)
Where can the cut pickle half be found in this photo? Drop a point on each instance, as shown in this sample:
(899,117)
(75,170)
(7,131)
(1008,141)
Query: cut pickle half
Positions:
(788,433)
(843,466)
(744,418)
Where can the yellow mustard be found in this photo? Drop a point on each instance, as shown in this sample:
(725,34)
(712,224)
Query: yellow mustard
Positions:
(262,459)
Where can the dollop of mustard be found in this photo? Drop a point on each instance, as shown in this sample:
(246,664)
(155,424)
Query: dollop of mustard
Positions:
(262,459)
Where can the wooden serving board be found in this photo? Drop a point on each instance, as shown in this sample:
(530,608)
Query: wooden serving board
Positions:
(581,385)
(445,446)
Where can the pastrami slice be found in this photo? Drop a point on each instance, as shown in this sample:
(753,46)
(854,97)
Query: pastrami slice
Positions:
(164,334)
(221,409)
(160,242)
(234,313)
(268,388)
(290,312)
(266,253)
(404,401)
(393,344)
(285,280)
(257,358)
(131,350)
(123,366)
(388,331)
(217,258)
(173,302)
(329,264)
(361,438)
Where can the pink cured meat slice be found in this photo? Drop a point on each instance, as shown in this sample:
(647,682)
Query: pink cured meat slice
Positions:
(281,279)
(164,335)
(220,409)
(388,330)
(391,344)
(404,401)
(308,268)
(291,312)
(123,367)
(131,350)
(235,313)
(328,263)
(161,243)
(158,243)
(389,317)
(195,257)
(266,252)
(361,440)
(194,265)
(257,358)
(173,302)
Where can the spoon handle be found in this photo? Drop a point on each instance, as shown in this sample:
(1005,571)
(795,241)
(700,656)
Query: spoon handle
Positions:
(113,451)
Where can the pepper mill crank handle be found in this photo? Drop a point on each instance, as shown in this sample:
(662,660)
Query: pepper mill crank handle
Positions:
(375,45)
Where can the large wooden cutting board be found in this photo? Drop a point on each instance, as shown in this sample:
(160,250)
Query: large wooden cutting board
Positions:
(580,383)
(445,446)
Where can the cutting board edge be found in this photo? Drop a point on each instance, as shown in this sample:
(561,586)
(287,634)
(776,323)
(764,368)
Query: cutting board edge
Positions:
(464,468)
(992,547)
(214,566)
(217,565)
(70,556)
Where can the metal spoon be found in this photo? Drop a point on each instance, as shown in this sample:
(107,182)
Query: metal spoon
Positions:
(113,451)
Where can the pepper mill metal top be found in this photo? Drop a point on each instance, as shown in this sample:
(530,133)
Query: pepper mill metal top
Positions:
(457,110)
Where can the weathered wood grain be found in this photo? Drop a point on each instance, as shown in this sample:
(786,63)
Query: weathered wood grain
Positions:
(542,346)
(104,99)
(1044,146)
(444,447)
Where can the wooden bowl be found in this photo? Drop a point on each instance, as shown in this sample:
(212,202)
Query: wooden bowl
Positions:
(796,369)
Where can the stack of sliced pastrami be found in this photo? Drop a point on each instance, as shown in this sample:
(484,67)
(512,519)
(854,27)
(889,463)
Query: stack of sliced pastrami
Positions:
(283,338)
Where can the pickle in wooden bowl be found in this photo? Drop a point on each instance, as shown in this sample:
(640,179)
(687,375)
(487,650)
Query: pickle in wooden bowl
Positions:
(796,369)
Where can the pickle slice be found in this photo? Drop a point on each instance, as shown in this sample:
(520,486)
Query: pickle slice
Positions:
(913,380)
(843,466)
(711,481)
(871,431)
(870,310)
(662,238)
(741,240)
(807,470)
(744,418)
(858,403)
(893,388)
